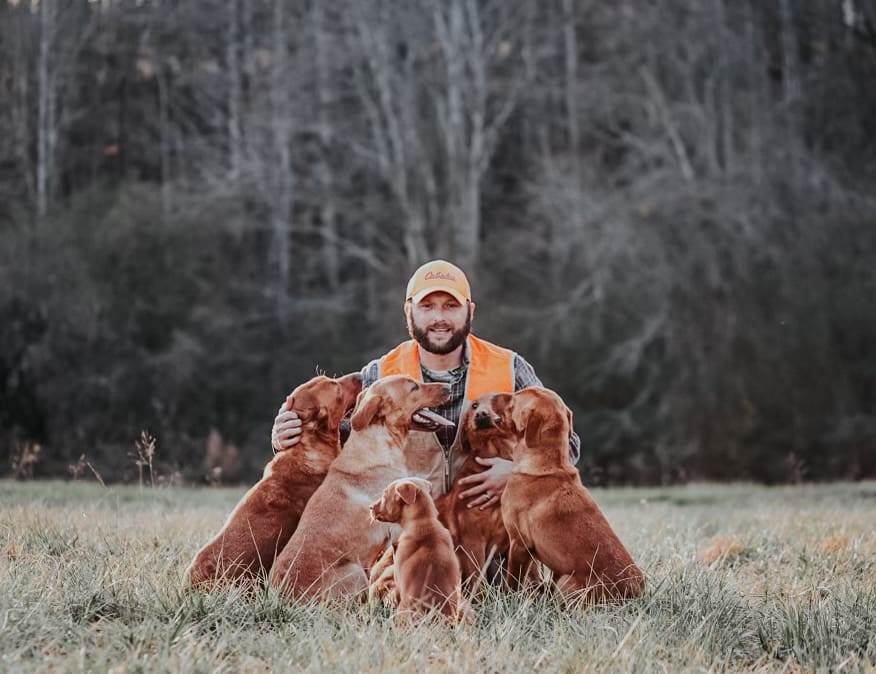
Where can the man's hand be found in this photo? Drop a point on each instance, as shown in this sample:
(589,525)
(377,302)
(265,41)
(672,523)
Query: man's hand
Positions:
(487,487)
(287,429)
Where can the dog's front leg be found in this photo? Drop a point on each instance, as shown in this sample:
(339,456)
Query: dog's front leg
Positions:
(518,563)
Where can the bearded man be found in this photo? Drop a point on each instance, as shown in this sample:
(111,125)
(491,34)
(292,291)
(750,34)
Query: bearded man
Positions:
(439,313)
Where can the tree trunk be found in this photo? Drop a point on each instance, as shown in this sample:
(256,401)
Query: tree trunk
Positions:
(164,139)
(235,88)
(328,213)
(45,107)
(281,206)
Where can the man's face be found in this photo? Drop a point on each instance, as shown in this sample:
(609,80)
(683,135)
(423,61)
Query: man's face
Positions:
(439,322)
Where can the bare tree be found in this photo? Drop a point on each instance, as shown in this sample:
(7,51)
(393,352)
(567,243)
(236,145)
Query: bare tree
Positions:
(233,49)
(281,171)
(46,105)
(438,84)
(19,184)
(327,198)
(386,87)
(474,39)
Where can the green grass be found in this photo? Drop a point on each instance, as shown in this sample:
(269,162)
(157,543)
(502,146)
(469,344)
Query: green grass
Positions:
(742,578)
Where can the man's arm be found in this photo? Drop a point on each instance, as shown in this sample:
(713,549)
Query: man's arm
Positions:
(524,376)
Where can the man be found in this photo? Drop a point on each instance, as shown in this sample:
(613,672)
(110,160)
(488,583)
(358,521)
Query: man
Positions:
(439,312)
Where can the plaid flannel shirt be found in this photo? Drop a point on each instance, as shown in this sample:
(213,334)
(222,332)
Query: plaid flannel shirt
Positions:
(524,376)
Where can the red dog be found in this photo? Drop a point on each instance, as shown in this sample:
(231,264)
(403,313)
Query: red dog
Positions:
(426,569)
(331,551)
(266,517)
(550,516)
(479,534)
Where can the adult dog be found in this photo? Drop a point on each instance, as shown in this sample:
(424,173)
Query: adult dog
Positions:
(478,533)
(549,514)
(265,518)
(329,554)
(426,569)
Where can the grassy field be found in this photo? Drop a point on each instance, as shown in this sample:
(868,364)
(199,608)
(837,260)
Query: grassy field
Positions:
(742,578)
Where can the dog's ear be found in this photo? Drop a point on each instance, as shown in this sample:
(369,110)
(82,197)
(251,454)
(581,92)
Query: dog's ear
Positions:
(464,442)
(521,409)
(534,425)
(407,492)
(365,411)
(462,435)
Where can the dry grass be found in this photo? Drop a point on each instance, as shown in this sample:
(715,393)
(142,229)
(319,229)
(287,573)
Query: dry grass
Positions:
(742,578)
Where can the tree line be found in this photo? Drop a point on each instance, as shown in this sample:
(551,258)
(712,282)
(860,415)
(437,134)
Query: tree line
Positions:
(668,207)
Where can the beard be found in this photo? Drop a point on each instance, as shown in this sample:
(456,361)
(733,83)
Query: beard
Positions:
(457,337)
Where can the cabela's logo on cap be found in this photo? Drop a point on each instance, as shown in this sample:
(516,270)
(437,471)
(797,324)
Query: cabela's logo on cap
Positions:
(444,276)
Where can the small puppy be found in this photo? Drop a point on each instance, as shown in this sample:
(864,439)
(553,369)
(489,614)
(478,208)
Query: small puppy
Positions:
(426,569)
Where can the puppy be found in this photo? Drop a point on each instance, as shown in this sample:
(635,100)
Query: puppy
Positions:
(330,553)
(263,521)
(550,516)
(427,576)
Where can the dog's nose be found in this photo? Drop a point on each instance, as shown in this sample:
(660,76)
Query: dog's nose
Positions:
(482,414)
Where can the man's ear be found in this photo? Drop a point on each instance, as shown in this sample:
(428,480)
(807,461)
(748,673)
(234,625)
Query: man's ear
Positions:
(407,492)
(365,412)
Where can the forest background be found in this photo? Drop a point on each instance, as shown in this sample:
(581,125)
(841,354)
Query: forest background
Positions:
(667,206)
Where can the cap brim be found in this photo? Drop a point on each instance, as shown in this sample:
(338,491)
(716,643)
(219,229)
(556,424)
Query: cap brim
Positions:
(439,289)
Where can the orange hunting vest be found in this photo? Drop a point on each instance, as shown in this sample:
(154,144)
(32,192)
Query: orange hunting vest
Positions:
(490,370)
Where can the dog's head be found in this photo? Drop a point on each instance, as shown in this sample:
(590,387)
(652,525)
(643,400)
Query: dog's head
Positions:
(486,427)
(322,402)
(398,495)
(542,421)
(396,401)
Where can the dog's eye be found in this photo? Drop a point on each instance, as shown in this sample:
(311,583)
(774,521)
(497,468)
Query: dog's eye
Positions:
(416,387)
(474,406)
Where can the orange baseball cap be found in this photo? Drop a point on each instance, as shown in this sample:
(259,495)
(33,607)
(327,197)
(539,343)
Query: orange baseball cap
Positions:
(438,275)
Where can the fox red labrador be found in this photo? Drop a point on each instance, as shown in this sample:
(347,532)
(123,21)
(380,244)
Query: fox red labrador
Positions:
(265,518)
(550,516)
(330,552)
(427,575)
(478,533)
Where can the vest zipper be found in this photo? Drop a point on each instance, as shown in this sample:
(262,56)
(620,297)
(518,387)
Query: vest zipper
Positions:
(446,453)
(447,485)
